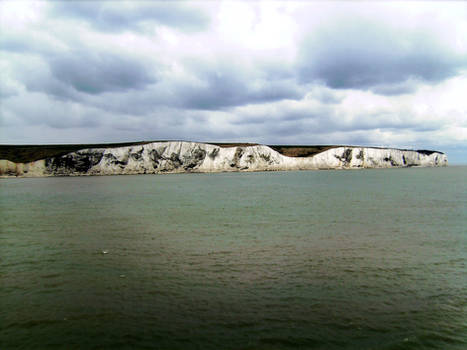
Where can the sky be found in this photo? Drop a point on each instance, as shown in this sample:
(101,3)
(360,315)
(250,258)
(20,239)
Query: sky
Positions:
(391,74)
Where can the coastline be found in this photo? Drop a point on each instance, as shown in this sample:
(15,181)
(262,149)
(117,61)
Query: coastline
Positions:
(196,157)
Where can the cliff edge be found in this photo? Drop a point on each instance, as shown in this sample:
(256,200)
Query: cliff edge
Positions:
(182,157)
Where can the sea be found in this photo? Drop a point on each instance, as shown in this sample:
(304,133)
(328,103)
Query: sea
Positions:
(333,259)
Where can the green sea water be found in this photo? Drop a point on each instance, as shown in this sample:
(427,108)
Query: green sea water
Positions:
(363,259)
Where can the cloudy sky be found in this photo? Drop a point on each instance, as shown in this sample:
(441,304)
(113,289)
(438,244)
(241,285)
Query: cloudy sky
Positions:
(307,72)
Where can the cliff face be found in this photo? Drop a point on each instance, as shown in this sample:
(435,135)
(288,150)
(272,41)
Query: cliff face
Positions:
(180,157)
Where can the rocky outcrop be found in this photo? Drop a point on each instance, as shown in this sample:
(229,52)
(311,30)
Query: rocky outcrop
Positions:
(182,157)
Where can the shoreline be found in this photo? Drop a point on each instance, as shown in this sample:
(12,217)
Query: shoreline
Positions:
(194,157)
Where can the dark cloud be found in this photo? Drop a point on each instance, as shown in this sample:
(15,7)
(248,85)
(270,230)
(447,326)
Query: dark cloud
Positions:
(116,16)
(365,55)
(222,91)
(204,86)
(324,95)
(94,73)
(125,85)
(228,84)
(42,82)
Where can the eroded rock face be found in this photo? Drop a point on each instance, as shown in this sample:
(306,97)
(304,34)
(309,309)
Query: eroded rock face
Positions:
(80,162)
(182,157)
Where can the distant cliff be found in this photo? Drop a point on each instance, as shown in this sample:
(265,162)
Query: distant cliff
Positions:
(182,157)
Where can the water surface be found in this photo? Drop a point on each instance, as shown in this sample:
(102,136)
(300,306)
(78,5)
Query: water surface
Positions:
(363,259)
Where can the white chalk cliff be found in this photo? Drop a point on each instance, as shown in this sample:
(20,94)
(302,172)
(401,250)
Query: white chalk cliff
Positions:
(181,157)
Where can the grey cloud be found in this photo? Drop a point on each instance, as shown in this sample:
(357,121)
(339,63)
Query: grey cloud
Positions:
(285,122)
(21,44)
(33,72)
(16,43)
(206,86)
(226,91)
(281,115)
(75,75)
(126,85)
(311,121)
(95,73)
(366,55)
(169,124)
(45,83)
(382,120)
(324,95)
(73,121)
(115,16)
(7,91)
(228,84)
(395,89)
(280,129)
(53,113)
